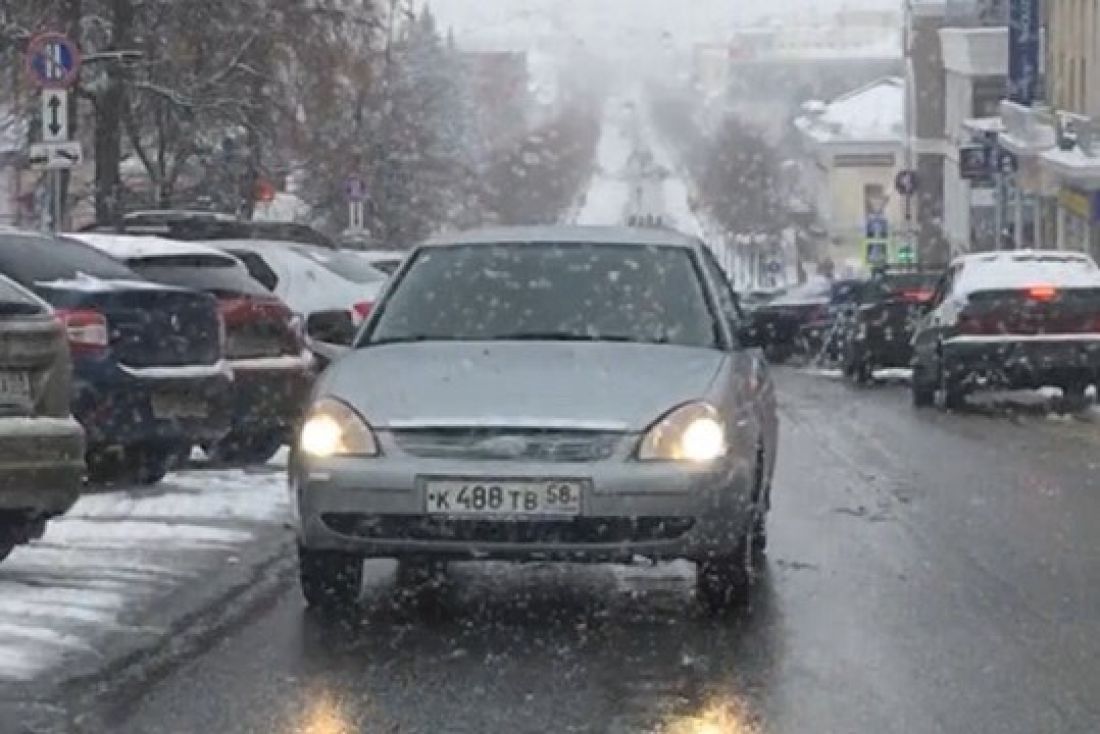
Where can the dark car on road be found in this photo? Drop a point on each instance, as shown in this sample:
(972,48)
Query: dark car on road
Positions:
(272,370)
(150,377)
(798,321)
(584,394)
(879,328)
(41,445)
(1017,319)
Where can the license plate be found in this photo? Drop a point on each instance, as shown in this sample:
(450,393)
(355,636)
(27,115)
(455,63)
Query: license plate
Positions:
(504,498)
(169,405)
(15,388)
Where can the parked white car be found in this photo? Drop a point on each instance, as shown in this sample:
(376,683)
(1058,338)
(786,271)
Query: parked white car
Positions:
(333,291)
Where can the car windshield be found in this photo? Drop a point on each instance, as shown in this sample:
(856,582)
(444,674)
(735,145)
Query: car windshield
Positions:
(35,260)
(347,265)
(218,275)
(551,292)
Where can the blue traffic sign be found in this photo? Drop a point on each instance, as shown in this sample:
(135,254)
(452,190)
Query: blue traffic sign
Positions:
(878,228)
(53,61)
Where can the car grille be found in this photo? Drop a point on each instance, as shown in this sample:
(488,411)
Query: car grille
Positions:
(566,446)
(577,530)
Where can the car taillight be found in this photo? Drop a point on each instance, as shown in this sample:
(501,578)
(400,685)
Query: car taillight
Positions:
(362,309)
(86,331)
(1042,293)
(916,295)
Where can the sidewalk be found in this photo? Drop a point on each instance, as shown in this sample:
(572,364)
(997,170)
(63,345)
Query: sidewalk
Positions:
(123,572)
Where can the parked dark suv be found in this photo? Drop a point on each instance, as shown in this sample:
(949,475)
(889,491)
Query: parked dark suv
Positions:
(150,377)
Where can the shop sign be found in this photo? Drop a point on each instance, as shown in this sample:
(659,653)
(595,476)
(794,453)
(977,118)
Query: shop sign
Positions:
(1082,204)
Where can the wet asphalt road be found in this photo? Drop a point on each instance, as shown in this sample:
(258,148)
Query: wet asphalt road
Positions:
(929,572)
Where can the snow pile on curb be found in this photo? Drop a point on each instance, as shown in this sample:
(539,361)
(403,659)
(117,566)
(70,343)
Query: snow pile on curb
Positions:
(117,553)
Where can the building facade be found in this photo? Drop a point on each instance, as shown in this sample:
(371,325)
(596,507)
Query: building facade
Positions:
(1071,166)
(854,151)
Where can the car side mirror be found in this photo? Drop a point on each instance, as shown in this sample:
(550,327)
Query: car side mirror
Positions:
(331,327)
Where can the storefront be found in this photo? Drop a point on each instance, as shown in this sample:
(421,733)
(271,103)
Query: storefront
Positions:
(1079,220)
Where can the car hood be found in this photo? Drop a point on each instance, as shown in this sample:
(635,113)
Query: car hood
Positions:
(599,386)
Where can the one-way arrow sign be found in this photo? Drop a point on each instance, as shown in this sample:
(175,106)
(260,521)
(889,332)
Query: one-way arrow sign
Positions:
(55,115)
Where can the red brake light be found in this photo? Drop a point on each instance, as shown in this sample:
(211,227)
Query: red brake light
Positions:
(917,295)
(362,309)
(1042,293)
(86,331)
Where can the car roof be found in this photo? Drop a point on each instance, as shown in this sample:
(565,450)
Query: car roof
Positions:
(129,246)
(560,234)
(178,214)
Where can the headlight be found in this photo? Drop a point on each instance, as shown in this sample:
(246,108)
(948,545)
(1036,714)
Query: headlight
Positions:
(333,428)
(692,432)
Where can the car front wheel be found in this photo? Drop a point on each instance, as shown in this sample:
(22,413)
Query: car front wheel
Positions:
(723,582)
(924,391)
(330,580)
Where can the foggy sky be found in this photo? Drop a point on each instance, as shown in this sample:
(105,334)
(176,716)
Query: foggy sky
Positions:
(604,21)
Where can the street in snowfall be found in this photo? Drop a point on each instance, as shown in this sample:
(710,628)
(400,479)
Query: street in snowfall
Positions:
(705,406)
(926,572)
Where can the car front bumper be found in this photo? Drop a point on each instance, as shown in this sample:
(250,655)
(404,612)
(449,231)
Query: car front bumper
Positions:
(41,464)
(1024,361)
(377,507)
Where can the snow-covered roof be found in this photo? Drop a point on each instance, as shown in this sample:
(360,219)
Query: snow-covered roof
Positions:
(1012,269)
(131,247)
(1074,164)
(872,113)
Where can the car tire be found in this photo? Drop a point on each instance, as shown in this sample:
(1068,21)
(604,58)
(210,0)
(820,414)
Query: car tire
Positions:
(416,573)
(723,582)
(149,465)
(245,449)
(924,391)
(760,535)
(1074,399)
(330,580)
(864,373)
(954,394)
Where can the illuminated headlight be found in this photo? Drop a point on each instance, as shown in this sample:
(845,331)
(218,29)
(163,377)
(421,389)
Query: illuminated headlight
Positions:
(333,428)
(693,432)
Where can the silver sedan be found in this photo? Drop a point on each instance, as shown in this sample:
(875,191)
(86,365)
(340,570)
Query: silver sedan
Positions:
(541,393)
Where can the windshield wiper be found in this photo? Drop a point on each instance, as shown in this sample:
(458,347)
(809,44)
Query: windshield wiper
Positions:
(569,336)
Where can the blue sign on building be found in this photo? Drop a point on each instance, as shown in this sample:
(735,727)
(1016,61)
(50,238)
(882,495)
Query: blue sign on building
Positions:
(1023,51)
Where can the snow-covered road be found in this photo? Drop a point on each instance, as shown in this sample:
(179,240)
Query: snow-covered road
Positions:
(616,190)
(68,598)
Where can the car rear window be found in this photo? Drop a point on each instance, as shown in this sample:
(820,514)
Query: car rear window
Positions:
(29,260)
(552,292)
(14,301)
(347,265)
(1004,271)
(211,273)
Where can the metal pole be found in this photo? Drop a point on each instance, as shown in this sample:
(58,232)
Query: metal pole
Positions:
(998,200)
(58,203)
(1018,215)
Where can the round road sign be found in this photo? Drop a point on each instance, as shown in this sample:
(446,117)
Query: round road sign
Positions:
(906,182)
(53,61)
